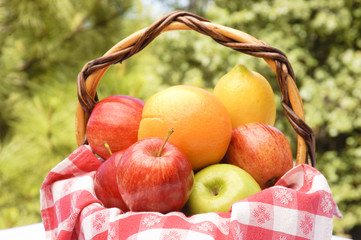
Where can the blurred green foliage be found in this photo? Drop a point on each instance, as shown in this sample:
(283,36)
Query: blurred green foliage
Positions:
(44,44)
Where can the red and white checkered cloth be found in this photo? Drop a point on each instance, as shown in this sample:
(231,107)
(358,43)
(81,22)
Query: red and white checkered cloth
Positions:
(300,206)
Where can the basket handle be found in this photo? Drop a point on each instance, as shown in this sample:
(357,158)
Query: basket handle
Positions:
(291,101)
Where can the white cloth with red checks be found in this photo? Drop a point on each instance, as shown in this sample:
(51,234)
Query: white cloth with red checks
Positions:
(299,206)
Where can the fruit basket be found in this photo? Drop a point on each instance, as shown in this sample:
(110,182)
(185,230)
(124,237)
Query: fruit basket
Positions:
(298,206)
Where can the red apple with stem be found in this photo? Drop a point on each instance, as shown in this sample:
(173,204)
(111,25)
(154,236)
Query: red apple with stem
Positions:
(154,175)
(261,150)
(105,180)
(114,120)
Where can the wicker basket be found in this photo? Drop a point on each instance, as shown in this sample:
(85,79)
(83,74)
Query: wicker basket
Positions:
(83,216)
(93,71)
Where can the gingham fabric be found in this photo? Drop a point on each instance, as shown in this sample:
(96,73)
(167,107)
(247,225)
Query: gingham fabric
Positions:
(299,206)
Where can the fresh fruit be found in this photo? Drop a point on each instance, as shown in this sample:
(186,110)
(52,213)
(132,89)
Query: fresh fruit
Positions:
(261,150)
(202,126)
(114,120)
(154,175)
(105,181)
(217,186)
(247,96)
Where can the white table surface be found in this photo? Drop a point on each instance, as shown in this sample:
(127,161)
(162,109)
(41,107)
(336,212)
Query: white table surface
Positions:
(36,232)
(28,232)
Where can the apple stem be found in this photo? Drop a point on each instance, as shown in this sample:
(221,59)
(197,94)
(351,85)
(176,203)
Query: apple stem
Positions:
(170,131)
(106,145)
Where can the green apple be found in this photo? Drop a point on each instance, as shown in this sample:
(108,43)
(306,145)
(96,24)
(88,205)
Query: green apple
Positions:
(217,186)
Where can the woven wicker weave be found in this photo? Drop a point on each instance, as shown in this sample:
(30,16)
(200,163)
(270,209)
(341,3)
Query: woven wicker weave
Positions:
(93,71)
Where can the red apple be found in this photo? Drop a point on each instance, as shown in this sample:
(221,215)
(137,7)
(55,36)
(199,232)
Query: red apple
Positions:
(114,120)
(261,150)
(105,185)
(154,176)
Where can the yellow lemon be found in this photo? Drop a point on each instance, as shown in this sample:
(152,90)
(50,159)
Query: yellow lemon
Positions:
(247,95)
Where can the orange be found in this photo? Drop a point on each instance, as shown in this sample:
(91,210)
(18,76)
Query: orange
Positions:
(248,97)
(202,126)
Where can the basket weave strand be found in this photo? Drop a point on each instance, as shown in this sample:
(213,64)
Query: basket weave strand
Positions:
(291,102)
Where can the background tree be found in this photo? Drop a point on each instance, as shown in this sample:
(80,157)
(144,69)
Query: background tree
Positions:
(44,44)
(321,40)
